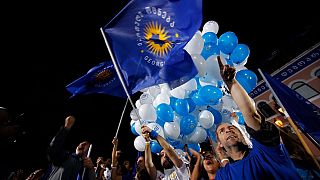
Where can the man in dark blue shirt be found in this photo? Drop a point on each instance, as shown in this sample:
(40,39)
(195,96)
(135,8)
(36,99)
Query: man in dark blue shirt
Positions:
(267,159)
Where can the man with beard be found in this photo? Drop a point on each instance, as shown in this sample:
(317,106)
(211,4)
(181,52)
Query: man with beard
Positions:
(67,166)
(267,159)
(174,167)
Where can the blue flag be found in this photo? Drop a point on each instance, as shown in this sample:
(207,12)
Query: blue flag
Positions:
(302,111)
(147,38)
(99,79)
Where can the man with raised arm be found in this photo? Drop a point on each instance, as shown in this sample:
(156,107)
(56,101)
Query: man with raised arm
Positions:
(69,165)
(267,159)
(174,167)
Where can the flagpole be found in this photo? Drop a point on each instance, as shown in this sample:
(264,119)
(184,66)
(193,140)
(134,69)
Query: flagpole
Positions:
(88,155)
(117,68)
(124,109)
(118,71)
(291,121)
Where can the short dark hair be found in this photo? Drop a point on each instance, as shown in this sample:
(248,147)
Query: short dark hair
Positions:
(220,125)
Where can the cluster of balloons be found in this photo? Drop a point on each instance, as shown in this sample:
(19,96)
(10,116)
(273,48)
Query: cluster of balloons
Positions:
(189,113)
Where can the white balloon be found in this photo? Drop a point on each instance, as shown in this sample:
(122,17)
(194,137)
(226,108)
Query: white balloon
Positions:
(178,92)
(146,98)
(156,127)
(154,90)
(199,135)
(165,88)
(132,122)
(134,114)
(195,45)
(191,85)
(200,64)
(172,130)
(161,98)
(139,143)
(206,119)
(210,26)
(147,112)
(137,127)
(207,80)
(228,103)
(213,69)
(138,104)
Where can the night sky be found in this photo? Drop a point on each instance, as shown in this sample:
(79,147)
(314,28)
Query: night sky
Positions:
(46,45)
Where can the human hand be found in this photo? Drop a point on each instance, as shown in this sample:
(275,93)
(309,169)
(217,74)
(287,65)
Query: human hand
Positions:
(195,154)
(115,141)
(145,129)
(87,162)
(221,153)
(69,121)
(146,137)
(226,71)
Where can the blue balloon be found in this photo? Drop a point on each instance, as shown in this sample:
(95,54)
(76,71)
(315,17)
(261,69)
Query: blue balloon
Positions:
(172,102)
(182,107)
(210,94)
(247,79)
(192,105)
(195,147)
(210,49)
(210,37)
(217,115)
(133,130)
(165,112)
(174,143)
(227,42)
(187,124)
(240,53)
(197,100)
(155,147)
(240,118)
(160,122)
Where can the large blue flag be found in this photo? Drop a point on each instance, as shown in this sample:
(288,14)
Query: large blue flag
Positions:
(99,79)
(147,38)
(302,111)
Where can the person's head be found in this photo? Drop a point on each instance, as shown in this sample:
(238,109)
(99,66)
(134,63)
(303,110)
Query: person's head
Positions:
(140,163)
(127,165)
(228,135)
(165,160)
(82,148)
(108,162)
(210,163)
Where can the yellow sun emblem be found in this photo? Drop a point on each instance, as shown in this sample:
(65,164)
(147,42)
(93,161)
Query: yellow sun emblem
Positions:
(103,75)
(157,39)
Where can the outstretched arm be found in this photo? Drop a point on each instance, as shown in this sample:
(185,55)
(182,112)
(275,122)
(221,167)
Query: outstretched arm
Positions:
(56,152)
(240,96)
(195,174)
(152,171)
(114,163)
(165,145)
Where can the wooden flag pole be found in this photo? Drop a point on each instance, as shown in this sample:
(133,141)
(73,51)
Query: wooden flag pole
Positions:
(295,128)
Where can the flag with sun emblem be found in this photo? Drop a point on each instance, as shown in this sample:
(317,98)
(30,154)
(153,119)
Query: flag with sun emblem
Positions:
(99,79)
(147,38)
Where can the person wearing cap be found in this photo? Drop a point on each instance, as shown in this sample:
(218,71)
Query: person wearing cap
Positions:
(267,159)
(174,167)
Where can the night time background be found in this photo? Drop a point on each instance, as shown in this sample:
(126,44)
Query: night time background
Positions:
(46,45)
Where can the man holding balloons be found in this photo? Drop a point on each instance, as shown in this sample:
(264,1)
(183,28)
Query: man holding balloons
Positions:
(174,167)
(267,159)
